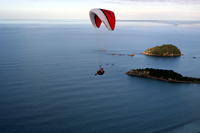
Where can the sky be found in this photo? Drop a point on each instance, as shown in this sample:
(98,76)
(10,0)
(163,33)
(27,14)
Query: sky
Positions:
(79,9)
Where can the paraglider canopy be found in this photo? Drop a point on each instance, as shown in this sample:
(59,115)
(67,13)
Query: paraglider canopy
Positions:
(97,16)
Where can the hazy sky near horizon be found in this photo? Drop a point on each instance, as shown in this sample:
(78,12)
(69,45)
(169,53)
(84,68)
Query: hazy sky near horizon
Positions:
(79,9)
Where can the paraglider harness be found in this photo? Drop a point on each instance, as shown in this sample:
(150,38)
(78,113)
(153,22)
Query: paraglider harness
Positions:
(100,71)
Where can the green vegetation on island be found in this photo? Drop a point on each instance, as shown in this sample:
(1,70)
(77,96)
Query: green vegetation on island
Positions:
(164,50)
(166,75)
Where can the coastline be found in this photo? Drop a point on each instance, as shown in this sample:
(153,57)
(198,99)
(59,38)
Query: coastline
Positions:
(147,75)
(171,55)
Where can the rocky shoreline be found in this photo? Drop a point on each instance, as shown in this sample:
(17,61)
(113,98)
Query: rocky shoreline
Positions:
(171,55)
(171,75)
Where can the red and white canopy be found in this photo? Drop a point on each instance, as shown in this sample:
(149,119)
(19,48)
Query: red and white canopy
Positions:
(97,16)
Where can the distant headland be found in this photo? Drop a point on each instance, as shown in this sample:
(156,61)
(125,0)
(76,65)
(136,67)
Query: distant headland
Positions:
(165,75)
(164,50)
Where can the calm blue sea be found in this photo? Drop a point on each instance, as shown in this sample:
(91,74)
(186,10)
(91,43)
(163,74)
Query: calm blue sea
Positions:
(47,81)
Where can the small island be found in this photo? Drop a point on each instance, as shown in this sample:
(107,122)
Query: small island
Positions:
(164,50)
(165,75)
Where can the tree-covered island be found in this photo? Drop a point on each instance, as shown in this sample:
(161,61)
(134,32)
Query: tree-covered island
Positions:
(165,75)
(164,50)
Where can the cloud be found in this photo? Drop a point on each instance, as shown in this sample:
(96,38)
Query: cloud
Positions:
(171,1)
(159,15)
(36,0)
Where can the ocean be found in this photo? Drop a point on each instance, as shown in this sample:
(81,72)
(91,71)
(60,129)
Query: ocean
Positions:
(47,81)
